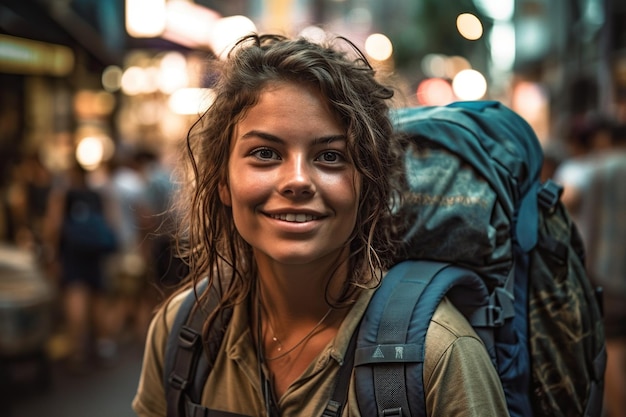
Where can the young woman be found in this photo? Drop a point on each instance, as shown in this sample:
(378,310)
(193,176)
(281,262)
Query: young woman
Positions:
(287,213)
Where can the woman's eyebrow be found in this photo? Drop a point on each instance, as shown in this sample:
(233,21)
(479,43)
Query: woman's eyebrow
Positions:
(263,135)
(331,138)
(273,138)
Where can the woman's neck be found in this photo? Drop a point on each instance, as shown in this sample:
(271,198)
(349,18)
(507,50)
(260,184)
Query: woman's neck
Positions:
(300,292)
(295,320)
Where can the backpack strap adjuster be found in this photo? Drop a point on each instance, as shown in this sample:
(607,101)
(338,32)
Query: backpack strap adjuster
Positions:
(549,194)
(333,409)
(495,316)
(487,316)
(392,412)
(188,337)
(178,382)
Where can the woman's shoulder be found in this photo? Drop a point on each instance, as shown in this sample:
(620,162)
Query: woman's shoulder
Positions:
(447,319)
(457,363)
(449,329)
(165,316)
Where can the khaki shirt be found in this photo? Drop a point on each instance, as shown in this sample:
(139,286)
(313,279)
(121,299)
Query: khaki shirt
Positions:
(459,378)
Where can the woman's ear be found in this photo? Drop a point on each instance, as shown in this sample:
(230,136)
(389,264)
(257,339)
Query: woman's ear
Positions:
(225,194)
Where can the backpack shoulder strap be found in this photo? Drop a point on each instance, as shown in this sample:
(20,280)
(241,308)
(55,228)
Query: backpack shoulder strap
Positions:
(389,355)
(339,397)
(186,368)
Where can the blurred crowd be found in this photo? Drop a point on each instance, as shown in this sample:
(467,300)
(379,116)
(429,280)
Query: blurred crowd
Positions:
(104,294)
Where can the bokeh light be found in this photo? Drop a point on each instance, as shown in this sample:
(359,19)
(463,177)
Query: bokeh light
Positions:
(378,47)
(434,92)
(469,85)
(112,78)
(89,152)
(227,31)
(172,72)
(434,65)
(145,18)
(190,100)
(313,33)
(469,26)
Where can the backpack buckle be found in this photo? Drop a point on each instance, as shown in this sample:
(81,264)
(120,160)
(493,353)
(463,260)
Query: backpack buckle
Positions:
(549,194)
(495,316)
(487,316)
(333,409)
(178,382)
(187,337)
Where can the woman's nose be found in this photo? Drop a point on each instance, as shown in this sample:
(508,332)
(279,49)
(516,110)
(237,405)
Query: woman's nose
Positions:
(297,179)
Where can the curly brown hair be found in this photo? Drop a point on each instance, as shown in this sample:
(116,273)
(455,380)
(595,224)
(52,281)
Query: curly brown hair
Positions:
(208,238)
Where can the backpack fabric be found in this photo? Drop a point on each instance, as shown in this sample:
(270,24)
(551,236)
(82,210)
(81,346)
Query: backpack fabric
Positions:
(484,232)
(474,199)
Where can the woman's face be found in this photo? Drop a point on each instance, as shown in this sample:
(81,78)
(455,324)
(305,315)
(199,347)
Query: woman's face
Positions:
(294,192)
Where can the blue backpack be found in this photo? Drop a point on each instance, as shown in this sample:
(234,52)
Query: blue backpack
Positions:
(482,231)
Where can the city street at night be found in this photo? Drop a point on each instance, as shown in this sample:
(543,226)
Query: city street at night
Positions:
(400,207)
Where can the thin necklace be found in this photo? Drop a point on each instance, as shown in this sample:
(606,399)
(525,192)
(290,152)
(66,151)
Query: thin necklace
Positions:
(294,347)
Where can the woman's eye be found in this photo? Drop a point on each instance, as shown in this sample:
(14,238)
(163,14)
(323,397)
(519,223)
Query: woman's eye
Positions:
(265,153)
(330,157)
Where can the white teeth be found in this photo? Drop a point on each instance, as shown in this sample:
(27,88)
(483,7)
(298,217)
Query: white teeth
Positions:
(293,217)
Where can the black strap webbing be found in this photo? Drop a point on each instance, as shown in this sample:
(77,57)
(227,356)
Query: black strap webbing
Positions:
(186,366)
(339,397)
(179,358)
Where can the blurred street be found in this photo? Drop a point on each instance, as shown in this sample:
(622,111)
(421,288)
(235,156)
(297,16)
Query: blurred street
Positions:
(97,99)
(101,392)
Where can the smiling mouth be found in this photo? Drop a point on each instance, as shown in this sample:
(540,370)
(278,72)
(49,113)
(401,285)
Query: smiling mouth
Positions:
(294,218)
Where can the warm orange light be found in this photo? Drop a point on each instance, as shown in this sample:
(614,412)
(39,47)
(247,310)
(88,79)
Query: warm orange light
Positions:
(145,18)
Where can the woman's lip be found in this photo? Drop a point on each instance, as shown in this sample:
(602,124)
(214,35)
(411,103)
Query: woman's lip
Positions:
(294,217)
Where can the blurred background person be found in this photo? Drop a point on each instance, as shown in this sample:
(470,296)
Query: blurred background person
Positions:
(79,272)
(587,140)
(126,269)
(144,268)
(603,214)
